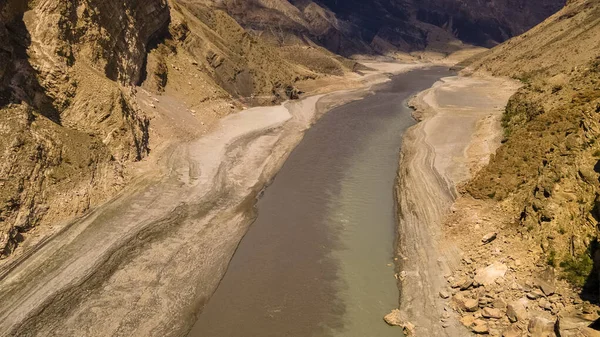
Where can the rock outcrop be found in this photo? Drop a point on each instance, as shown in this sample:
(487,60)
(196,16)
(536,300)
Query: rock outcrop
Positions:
(70,123)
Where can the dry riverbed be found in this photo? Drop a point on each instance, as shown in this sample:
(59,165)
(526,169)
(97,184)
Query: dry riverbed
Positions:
(459,129)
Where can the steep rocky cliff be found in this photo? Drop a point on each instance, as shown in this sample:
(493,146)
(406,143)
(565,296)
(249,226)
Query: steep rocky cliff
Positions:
(548,169)
(68,121)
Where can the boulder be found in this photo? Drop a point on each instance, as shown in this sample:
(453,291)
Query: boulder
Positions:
(466,285)
(571,326)
(546,287)
(588,332)
(480,327)
(489,274)
(444,294)
(545,281)
(489,237)
(394,318)
(499,303)
(535,294)
(467,320)
(462,303)
(512,331)
(397,318)
(517,311)
(471,305)
(545,304)
(492,313)
(540,326)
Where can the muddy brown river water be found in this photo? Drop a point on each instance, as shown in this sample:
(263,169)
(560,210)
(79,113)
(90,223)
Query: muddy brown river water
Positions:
(318,260)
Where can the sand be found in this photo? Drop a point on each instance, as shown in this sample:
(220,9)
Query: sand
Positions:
(459,129)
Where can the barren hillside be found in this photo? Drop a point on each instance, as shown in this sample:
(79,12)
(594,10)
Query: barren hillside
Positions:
(547,171)
(72,123)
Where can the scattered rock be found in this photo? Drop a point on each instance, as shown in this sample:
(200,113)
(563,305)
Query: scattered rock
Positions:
(516,311)
(489,274)
(512,331)
(465,304)
(462,284)
(489,238)
(492,313)
(480,327)
(535,294)
(540,327)
(396,318)
(499,303)
(467,320)
(444,294)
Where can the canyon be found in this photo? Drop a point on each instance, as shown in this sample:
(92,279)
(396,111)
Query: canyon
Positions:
(137,137)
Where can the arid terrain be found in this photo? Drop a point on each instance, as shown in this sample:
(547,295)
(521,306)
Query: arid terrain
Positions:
(455,137)
(518,234)
(137,136)
(73,75)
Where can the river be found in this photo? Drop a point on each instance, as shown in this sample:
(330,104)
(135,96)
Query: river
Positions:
(318,260)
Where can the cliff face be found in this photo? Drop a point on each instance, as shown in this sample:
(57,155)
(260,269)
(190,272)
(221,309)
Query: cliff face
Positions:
(548,168)
(68,125)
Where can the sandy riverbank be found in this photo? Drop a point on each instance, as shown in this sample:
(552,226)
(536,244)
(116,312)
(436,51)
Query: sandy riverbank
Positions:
(146,262)
(459,129)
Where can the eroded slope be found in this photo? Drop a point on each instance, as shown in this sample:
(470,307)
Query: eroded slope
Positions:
(547,168)
(73,120)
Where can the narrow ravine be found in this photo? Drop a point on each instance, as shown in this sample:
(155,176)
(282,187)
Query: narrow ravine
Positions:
(318,261)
